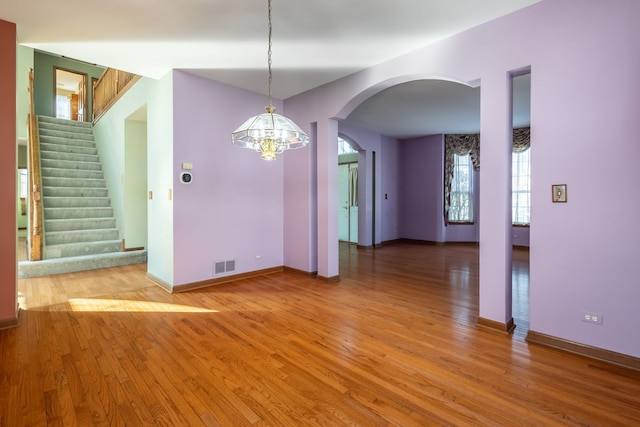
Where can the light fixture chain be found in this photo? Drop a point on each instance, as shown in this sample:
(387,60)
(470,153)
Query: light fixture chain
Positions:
(269,52)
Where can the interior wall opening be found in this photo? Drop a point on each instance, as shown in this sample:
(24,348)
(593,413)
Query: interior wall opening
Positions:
(70,95)
(521,197)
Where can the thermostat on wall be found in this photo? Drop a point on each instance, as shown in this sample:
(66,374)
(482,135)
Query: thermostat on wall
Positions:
(186,177)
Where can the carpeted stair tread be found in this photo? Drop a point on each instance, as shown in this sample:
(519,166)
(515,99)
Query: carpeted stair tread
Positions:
(68,213)
(66,145)
(70,224)
(70,164)
(76,202)
(79,263)
(66,250)
(74,192)
(69,182)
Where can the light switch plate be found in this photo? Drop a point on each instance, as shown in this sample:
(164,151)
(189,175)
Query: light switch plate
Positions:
(559,193)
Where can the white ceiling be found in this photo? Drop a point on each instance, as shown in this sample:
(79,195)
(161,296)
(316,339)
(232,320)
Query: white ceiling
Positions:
(313,42)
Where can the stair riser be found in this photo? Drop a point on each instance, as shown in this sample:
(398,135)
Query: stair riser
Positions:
(67,135)
(74,192)
(79,224)
(48,120)
(80,236)
(76,202)
(66,128)
(71,173)
(81,249)
(69,213)
(64,144)
(51,150)
(69,157)
(70,164)
(66,182)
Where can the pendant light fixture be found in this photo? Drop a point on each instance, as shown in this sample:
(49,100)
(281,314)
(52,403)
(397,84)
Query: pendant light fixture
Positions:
(269,133)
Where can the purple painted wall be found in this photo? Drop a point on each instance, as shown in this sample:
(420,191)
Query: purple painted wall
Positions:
(422,182)
(233,209)
(584,110)
(391,191)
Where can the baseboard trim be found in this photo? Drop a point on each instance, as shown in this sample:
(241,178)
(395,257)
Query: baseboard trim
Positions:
(506,328)
(332,279)
(310,274)
(596,353)
(226,279)
(161,283)
(364,247)
(11,323)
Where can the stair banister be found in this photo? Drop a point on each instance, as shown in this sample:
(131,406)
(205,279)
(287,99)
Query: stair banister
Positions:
(109,88)
(35,198)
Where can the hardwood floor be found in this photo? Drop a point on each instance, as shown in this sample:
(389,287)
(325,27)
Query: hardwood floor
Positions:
(394,343)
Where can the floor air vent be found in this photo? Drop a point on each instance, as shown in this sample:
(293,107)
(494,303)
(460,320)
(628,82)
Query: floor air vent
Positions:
(221,267)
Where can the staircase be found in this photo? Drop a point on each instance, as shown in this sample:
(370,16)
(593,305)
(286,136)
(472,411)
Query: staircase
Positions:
(80,231)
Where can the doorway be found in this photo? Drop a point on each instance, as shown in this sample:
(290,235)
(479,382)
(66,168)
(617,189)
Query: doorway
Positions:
(70,95)
(348,202)
(521,201)
(347,192)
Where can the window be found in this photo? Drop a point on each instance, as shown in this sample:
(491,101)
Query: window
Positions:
(344,147)
(63,107)
(521,187)
(461,206)
(24,182)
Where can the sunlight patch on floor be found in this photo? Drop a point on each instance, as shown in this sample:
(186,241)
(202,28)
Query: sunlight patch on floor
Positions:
(114,305)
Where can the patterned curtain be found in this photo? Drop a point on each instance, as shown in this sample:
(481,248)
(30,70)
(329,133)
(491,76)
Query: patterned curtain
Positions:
(353,186)
(460,145)
(470,144)
(521,139)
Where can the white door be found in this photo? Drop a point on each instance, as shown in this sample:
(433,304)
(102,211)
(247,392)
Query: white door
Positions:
(348,203)
(343,203)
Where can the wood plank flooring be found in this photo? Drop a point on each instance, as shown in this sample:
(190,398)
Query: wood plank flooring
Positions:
(394,343)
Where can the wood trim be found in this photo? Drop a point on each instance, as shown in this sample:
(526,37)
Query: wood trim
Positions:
(11,323)
(119,93)
(507,327)
(161,283)
(125,249)
(35,202)
(173,289)
(332,279)
(596,353)
(300,272)
(141,248)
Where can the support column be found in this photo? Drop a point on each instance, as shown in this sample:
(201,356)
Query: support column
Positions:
(8,171)
(495,202)
(328,250)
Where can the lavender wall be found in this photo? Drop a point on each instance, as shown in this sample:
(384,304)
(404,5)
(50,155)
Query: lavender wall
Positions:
(422,182)
(233,209)
(391,192)
(584,117)
(584,107)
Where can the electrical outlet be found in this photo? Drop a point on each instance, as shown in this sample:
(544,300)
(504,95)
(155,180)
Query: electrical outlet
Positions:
(592,318)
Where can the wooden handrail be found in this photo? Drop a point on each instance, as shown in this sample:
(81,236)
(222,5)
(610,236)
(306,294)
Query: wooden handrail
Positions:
(35,199)
(111,85)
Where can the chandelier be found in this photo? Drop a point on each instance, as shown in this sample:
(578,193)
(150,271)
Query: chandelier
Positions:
(269,133)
